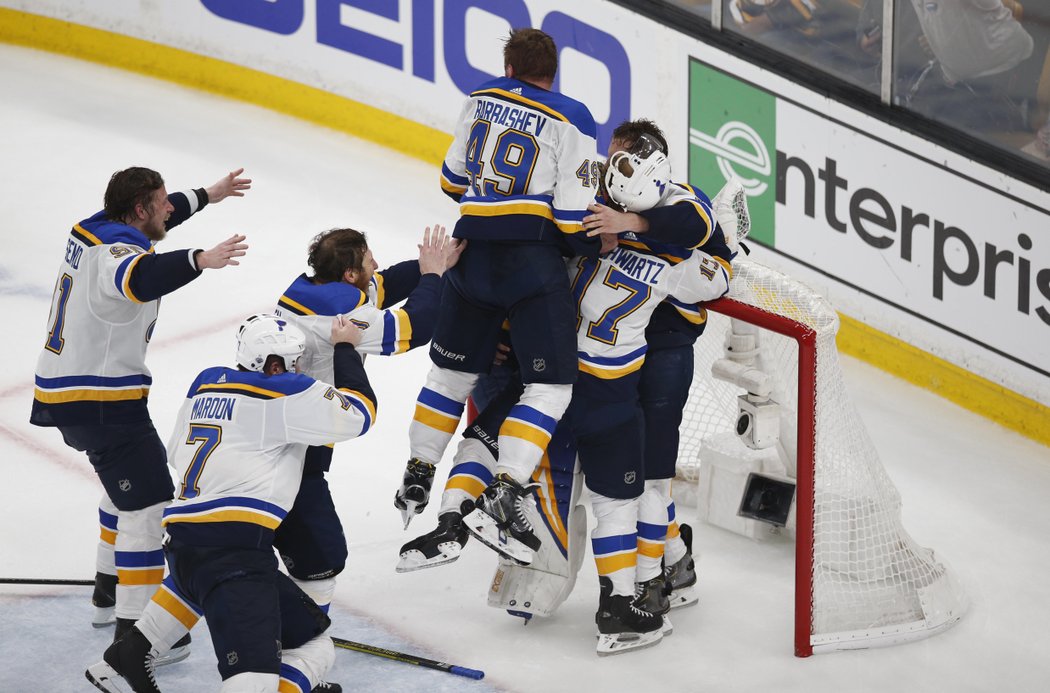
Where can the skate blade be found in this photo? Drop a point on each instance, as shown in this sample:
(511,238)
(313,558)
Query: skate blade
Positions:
(488,533)
(415,560)
(618,643)
(667,628)
(105,678)
(104,617)
(687,596)
(172,656)
(409,512)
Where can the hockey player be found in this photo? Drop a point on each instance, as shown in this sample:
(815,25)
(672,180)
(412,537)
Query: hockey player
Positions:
(311,541)
(673,329)
(238,446)
(92,381)
(521,167)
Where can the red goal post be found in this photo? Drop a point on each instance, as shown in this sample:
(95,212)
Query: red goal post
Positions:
(860,579)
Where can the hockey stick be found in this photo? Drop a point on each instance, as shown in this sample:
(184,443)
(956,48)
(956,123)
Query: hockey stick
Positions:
(45,581)
(408,659)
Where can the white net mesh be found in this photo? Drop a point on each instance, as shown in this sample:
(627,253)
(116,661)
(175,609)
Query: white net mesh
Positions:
(872,584)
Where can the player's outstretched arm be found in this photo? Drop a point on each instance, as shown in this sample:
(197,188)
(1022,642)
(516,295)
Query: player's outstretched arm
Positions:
(222,254)
(230,185)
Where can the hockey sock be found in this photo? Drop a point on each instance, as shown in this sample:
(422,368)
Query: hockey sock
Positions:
(614,541)
(652,527)
(254,682)
(168,617)
(438,408)
(674,547)
(471,472)
(308,664)
(105,561)
(527,430)
(139,558)
(321,591)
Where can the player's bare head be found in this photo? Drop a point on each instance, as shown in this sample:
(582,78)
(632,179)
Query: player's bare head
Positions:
(336,252)
(630,131)
(530,55)
(128,189)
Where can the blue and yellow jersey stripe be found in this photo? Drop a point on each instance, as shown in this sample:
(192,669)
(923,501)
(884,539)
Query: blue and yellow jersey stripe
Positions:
(85,236)
(248,383)
(397,332)
(229,509)
(107,526)
(452,183)
(528,424)
(292,680)
(169,598)
(651,539)
(99,230)
(304,297)
(618,552)
(91,388)
(612,367)
(470,477)
(690,311)
(122,277)
(139,567)
(548,103)
(363,404)
(436,411)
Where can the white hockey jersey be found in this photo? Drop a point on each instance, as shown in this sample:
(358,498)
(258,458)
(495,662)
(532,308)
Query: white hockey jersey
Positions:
(617,293)
(311,307)
(238,448)
(92,368)
(523,163)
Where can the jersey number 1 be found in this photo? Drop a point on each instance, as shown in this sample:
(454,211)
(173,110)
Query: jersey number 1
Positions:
(54,338)
(209,437)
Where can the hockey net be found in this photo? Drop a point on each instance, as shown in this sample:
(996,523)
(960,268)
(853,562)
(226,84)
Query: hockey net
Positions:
(860,579)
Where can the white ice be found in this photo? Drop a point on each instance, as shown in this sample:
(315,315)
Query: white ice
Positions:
(974,491)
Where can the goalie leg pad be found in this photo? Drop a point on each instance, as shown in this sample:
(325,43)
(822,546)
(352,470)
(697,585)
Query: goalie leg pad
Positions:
(561,523)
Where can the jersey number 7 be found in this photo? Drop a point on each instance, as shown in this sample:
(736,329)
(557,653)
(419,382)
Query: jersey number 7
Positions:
(209,437)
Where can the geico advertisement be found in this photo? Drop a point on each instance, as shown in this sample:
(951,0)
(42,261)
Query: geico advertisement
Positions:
(414,58)
(906,231)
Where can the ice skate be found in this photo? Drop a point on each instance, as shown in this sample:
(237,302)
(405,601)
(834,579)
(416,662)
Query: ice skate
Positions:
(104,599)
(327,687)
(681,576)
(127,666)
(178,652)
(414,494)
(622,626)
(500,522)
(438,547)
(652,596)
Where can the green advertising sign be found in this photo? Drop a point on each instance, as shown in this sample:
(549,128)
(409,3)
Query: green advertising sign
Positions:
(732,132)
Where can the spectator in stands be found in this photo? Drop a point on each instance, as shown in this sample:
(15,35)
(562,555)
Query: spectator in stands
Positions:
(976,47)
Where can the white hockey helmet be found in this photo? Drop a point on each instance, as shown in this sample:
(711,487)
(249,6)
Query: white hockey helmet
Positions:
(635,179)
(262,335)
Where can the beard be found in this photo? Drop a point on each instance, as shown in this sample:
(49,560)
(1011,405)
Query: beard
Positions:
(155,230)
